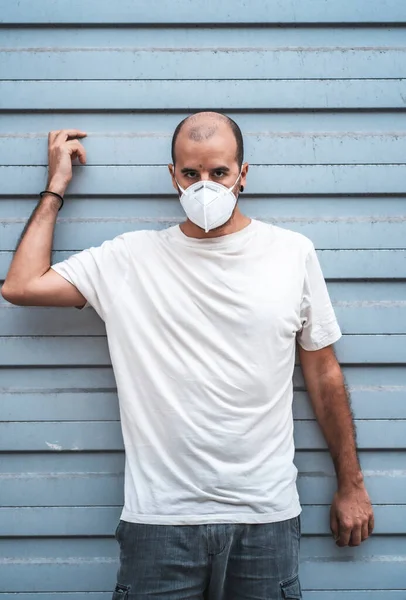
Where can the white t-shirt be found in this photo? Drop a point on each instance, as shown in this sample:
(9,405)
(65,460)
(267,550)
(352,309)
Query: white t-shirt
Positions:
(201,334)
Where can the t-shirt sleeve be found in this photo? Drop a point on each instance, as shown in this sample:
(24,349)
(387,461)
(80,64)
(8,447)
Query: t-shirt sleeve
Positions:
(97,272)
(319,323)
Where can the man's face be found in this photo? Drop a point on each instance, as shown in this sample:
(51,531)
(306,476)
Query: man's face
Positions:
(207,153)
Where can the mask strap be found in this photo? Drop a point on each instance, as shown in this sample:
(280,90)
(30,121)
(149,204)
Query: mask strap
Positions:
(235,183)
(179,186)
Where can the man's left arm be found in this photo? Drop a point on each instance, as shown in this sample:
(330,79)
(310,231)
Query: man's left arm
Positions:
(351,515)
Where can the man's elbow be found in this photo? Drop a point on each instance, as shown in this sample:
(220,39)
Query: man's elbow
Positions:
(13,295)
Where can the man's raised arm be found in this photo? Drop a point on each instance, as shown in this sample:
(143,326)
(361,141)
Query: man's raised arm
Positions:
(30,279)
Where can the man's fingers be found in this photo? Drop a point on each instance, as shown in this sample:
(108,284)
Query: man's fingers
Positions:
(355,516)
(371,524)
(62,135)
(355,538)
(77,148)
(334,526)
(70,133)
(353,534)
(364,531)
(344,533)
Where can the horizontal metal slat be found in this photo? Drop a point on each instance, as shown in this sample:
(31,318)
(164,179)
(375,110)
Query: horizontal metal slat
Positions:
(106,435)
(68,464)
(102,520)
(207,11)
(326,233)
(271,208)
(264,179)
(53,478)
(355,317)
(114,123)
(202,63)
(204,36)
(93,351)
(100,379)
(189,95)
(336,264)
(385,402)
(361,308)
(262,147)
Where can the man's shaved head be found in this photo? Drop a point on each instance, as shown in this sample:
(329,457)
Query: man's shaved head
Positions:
(203,125)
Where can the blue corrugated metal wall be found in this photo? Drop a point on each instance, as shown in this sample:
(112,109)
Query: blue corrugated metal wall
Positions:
(319,89)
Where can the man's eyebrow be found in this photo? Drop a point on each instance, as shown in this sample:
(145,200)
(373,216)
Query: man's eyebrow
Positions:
(221,168)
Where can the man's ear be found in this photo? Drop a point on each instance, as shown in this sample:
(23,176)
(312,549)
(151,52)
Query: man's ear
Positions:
(244,171)
(171,169)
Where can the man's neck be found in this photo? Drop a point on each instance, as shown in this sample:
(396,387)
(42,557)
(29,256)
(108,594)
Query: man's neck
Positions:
(236,222)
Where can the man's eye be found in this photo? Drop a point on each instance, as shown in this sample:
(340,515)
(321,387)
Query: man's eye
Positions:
(218,174)
(190,174)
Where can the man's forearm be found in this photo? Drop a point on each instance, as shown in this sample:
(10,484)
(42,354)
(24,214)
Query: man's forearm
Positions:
(33,254)
(332,407)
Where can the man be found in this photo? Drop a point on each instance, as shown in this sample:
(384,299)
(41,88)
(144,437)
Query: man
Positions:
(202,320)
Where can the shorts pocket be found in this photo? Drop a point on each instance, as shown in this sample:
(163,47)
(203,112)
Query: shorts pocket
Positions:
(291,588)
(117,529)
(121,592)
(297,525)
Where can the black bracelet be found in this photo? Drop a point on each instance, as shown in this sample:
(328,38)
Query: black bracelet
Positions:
(55,194)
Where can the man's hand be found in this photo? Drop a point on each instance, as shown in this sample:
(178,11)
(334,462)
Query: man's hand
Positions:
(351,515)
(61,152)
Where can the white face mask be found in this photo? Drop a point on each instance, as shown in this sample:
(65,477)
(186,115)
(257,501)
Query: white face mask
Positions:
(208,204)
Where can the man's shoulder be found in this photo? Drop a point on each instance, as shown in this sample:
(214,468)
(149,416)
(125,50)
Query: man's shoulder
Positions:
(288,237)
(134,237)
(139,242)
